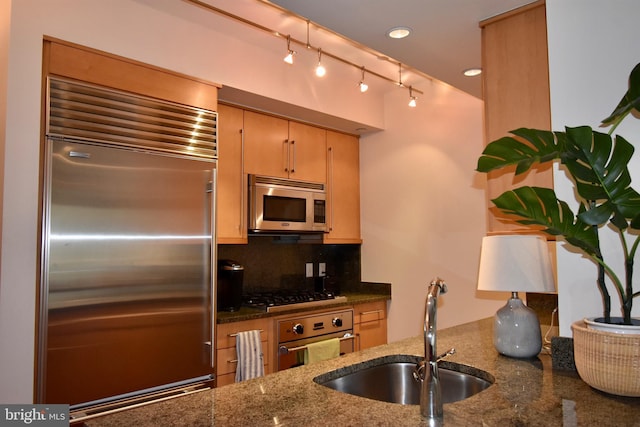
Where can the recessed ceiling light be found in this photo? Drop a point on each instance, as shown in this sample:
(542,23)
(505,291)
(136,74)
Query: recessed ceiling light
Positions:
(399,32)
(471,72)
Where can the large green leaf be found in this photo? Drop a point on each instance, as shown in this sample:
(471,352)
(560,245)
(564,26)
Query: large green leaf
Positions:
(542,146)
(540,206)
(599,166)
(629,102)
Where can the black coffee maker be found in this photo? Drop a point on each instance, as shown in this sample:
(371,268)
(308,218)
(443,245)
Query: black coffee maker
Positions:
(230,276)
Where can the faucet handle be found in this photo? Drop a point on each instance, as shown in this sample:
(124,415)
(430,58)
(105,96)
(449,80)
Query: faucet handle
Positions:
(439,283)
(418,371)
(446,353)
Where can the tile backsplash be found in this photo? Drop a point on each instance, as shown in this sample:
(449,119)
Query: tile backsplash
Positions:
(272,263)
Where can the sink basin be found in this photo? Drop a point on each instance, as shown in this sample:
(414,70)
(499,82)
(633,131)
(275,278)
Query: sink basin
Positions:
(390,379)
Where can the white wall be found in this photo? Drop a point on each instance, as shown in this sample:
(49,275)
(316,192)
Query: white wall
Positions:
(166,33)
(593,45)
(432,227)
(423,208)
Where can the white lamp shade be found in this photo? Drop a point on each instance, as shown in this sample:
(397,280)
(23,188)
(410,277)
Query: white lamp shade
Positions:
(515,263)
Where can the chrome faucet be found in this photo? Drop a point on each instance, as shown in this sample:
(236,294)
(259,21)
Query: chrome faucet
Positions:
(431,394)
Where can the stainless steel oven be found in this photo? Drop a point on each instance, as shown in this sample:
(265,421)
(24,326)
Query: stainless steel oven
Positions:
(296,332)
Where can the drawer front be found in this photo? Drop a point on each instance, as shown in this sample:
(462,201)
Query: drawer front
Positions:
(226,379)
(371,334)
(227,359)
(370,312)
(226,336)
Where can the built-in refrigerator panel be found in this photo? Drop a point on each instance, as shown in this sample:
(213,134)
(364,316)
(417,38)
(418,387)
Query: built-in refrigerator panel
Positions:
(127,279)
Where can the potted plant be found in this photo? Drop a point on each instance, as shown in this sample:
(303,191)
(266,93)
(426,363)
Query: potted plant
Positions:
(597,164)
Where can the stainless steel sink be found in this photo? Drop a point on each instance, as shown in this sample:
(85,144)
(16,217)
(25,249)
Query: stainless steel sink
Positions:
(390,379)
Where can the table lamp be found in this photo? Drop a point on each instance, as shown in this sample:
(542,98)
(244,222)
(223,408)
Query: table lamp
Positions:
(516,263)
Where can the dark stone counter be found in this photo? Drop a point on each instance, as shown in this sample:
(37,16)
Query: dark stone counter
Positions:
(367,292)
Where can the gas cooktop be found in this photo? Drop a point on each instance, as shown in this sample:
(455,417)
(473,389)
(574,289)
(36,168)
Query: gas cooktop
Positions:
(285,300)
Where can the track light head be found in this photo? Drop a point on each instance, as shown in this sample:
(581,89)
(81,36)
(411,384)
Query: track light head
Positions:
(289,58)
(320,70)
(412,99)
(363,86)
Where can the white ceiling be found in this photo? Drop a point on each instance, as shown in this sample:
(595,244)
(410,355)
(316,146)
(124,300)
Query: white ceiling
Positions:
(445,38)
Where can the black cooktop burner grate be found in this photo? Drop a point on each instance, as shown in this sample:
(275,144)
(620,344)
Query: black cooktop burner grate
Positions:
(267,300)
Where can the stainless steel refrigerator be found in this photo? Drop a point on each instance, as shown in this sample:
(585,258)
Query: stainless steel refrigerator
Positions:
(127,288)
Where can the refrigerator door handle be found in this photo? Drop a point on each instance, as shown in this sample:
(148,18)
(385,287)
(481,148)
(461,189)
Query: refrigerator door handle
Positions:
(213,185)
(79,154)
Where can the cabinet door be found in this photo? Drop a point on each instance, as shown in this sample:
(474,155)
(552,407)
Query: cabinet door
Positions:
(266,145)
(307,158)
(231,196)
(370,324)
(343,185)
(516,92)
(226,356)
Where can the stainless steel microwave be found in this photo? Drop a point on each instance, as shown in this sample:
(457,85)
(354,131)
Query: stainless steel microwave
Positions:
(278,205)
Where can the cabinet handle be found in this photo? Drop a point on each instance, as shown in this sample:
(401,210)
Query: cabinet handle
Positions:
(378,312)
(293,166)
(286,163)
(364,313)
(235,334)
(330,189)
(243,184)
(233,361)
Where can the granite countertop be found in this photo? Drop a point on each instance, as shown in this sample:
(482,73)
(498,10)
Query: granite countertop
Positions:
(525,393)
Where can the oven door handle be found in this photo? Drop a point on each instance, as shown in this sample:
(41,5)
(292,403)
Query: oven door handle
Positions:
(283,349)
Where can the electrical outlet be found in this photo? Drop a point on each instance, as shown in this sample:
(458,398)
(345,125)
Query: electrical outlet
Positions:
(309,269)
(322,269)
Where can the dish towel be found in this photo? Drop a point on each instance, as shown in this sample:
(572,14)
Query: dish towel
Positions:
(250,358)
(322,350)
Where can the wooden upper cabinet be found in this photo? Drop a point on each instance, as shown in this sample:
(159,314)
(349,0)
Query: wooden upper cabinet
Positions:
(232,187)
(265,145)
(307,152)
(285,149)
(516,93)
(343,188)
(89,65)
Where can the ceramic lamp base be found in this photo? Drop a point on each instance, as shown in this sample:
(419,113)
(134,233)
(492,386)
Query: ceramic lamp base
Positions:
(516,330)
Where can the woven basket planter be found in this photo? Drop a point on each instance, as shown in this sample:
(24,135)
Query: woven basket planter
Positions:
(607,361)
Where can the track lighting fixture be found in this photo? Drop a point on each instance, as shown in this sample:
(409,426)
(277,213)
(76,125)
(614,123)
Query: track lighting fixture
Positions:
(289,58)
(320,70)
(362,84)
(412,99)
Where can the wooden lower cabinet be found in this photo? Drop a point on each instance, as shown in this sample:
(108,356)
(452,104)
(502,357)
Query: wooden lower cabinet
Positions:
(226,356)
(370,324)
